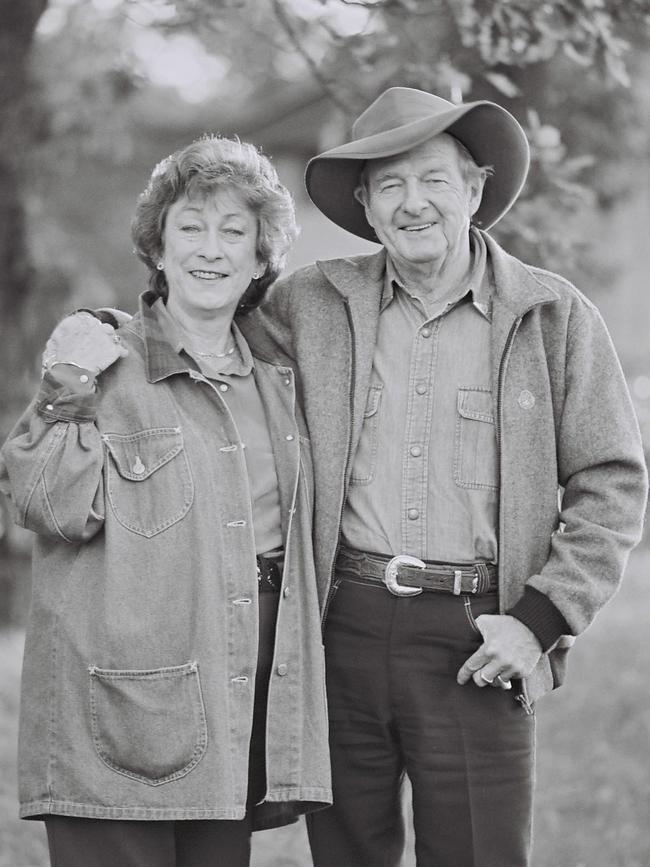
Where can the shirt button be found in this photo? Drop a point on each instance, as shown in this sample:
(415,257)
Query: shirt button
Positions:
(416,451)
(413,514)
(287,381)
(421,388)
(289,437)
(426,332)
(282,669)
(223,387)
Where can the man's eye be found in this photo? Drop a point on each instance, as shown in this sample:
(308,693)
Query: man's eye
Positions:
(389,187)
(190,227)
(435,181)
(232,231)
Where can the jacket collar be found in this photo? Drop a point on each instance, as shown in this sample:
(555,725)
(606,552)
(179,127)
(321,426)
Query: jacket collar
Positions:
(517,287)
(161,358)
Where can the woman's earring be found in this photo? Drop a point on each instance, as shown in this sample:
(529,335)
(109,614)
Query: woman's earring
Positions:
(160,266)
(256,276)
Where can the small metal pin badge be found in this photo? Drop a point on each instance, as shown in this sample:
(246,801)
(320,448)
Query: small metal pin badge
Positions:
(526,399)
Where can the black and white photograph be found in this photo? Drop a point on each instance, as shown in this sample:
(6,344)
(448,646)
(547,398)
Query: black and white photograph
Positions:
(324,433)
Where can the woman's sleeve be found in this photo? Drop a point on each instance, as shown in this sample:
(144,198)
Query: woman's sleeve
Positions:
(51,465)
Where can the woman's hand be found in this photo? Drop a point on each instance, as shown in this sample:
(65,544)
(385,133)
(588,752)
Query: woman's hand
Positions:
(83,341)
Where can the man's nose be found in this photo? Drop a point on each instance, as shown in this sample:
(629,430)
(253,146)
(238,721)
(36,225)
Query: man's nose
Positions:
(414,201)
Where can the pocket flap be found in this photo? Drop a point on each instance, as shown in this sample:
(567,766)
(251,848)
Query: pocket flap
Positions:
(476,404)
(140,454)
(372,403)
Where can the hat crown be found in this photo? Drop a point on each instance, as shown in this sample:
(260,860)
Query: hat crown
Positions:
(397,107)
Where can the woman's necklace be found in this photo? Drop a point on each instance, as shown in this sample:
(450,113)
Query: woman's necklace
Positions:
(215,354)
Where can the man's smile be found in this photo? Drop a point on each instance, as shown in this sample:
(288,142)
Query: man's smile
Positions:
(419,228)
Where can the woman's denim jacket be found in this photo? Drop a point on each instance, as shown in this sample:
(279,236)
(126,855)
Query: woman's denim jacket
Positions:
(141,649)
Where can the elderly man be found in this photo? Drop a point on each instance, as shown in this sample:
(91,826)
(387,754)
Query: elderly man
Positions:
(479,482)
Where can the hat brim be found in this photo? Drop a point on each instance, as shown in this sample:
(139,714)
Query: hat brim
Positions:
(490,133)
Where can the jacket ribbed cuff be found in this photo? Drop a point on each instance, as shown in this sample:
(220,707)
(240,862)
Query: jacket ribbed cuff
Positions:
(536,611)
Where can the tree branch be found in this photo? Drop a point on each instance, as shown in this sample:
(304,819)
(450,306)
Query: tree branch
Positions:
(284,19)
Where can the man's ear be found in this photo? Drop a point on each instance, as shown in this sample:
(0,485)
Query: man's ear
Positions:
(360,196)
(475,195)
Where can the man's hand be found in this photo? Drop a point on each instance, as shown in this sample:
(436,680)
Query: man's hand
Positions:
(509,650)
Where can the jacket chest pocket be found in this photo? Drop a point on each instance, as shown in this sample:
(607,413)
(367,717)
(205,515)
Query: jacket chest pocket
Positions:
(148,480)
(365,460)
(475,447)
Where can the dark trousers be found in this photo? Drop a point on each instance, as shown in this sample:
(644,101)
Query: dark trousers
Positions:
(76,842)
(395,708)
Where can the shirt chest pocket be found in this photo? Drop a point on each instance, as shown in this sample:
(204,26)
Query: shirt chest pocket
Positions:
(148,480)
(475,448)
(365,459)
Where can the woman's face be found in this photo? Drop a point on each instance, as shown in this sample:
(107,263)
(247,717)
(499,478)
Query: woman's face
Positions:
(209,253)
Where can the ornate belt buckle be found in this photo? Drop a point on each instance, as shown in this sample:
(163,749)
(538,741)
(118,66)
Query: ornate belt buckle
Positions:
(390,575)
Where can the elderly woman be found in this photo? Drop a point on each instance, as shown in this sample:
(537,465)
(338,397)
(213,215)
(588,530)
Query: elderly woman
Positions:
(166,474)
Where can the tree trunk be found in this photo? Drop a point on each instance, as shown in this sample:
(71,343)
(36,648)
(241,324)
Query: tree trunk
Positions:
(18,22)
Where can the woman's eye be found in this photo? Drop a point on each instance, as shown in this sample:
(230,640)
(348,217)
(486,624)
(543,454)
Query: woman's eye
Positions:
(190,227)
(233,231)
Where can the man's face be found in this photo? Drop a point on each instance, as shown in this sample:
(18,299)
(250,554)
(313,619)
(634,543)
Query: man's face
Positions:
(419,204)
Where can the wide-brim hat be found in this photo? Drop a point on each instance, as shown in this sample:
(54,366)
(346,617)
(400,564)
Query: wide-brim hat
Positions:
(402,118)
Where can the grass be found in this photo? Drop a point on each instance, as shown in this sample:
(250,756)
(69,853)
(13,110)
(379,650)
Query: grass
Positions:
(593,786)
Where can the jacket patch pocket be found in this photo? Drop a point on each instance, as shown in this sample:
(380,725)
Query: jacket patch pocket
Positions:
(475,451)
(148,725)
(365,459)
(148,480)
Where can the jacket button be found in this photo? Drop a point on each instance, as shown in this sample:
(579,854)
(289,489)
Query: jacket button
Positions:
(49,407)
(289,437)
(416,451)
(413,514)
(421,388)
(286,592)
(282,669)
(426,332)
(223,387)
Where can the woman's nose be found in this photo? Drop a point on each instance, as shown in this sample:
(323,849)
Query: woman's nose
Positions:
(210,245)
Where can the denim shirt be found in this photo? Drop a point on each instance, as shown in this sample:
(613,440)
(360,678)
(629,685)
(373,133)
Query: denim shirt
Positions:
(425,475)
(236,383)
(141,648)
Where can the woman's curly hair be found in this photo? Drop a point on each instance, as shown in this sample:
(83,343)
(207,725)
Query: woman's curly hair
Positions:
(200,169)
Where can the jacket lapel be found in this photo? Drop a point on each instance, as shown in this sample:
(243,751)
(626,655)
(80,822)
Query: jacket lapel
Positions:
(517,291)
(359,282)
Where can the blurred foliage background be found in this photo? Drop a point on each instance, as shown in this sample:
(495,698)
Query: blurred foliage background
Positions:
(93,93)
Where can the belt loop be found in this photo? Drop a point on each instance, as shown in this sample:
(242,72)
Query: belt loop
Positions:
(458,578)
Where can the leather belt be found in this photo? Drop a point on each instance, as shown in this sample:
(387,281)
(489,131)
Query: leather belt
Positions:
(269,574)
(409,576)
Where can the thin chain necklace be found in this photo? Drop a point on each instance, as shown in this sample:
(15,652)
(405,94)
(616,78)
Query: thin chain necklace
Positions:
(215,354)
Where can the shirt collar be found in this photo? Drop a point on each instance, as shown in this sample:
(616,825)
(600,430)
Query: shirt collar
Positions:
(166,353)
(479,282)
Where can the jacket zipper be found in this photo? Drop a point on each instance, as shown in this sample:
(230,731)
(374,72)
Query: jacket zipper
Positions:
(332,584)
(522,695)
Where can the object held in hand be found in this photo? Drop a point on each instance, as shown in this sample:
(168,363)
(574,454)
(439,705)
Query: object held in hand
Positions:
(86,341)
